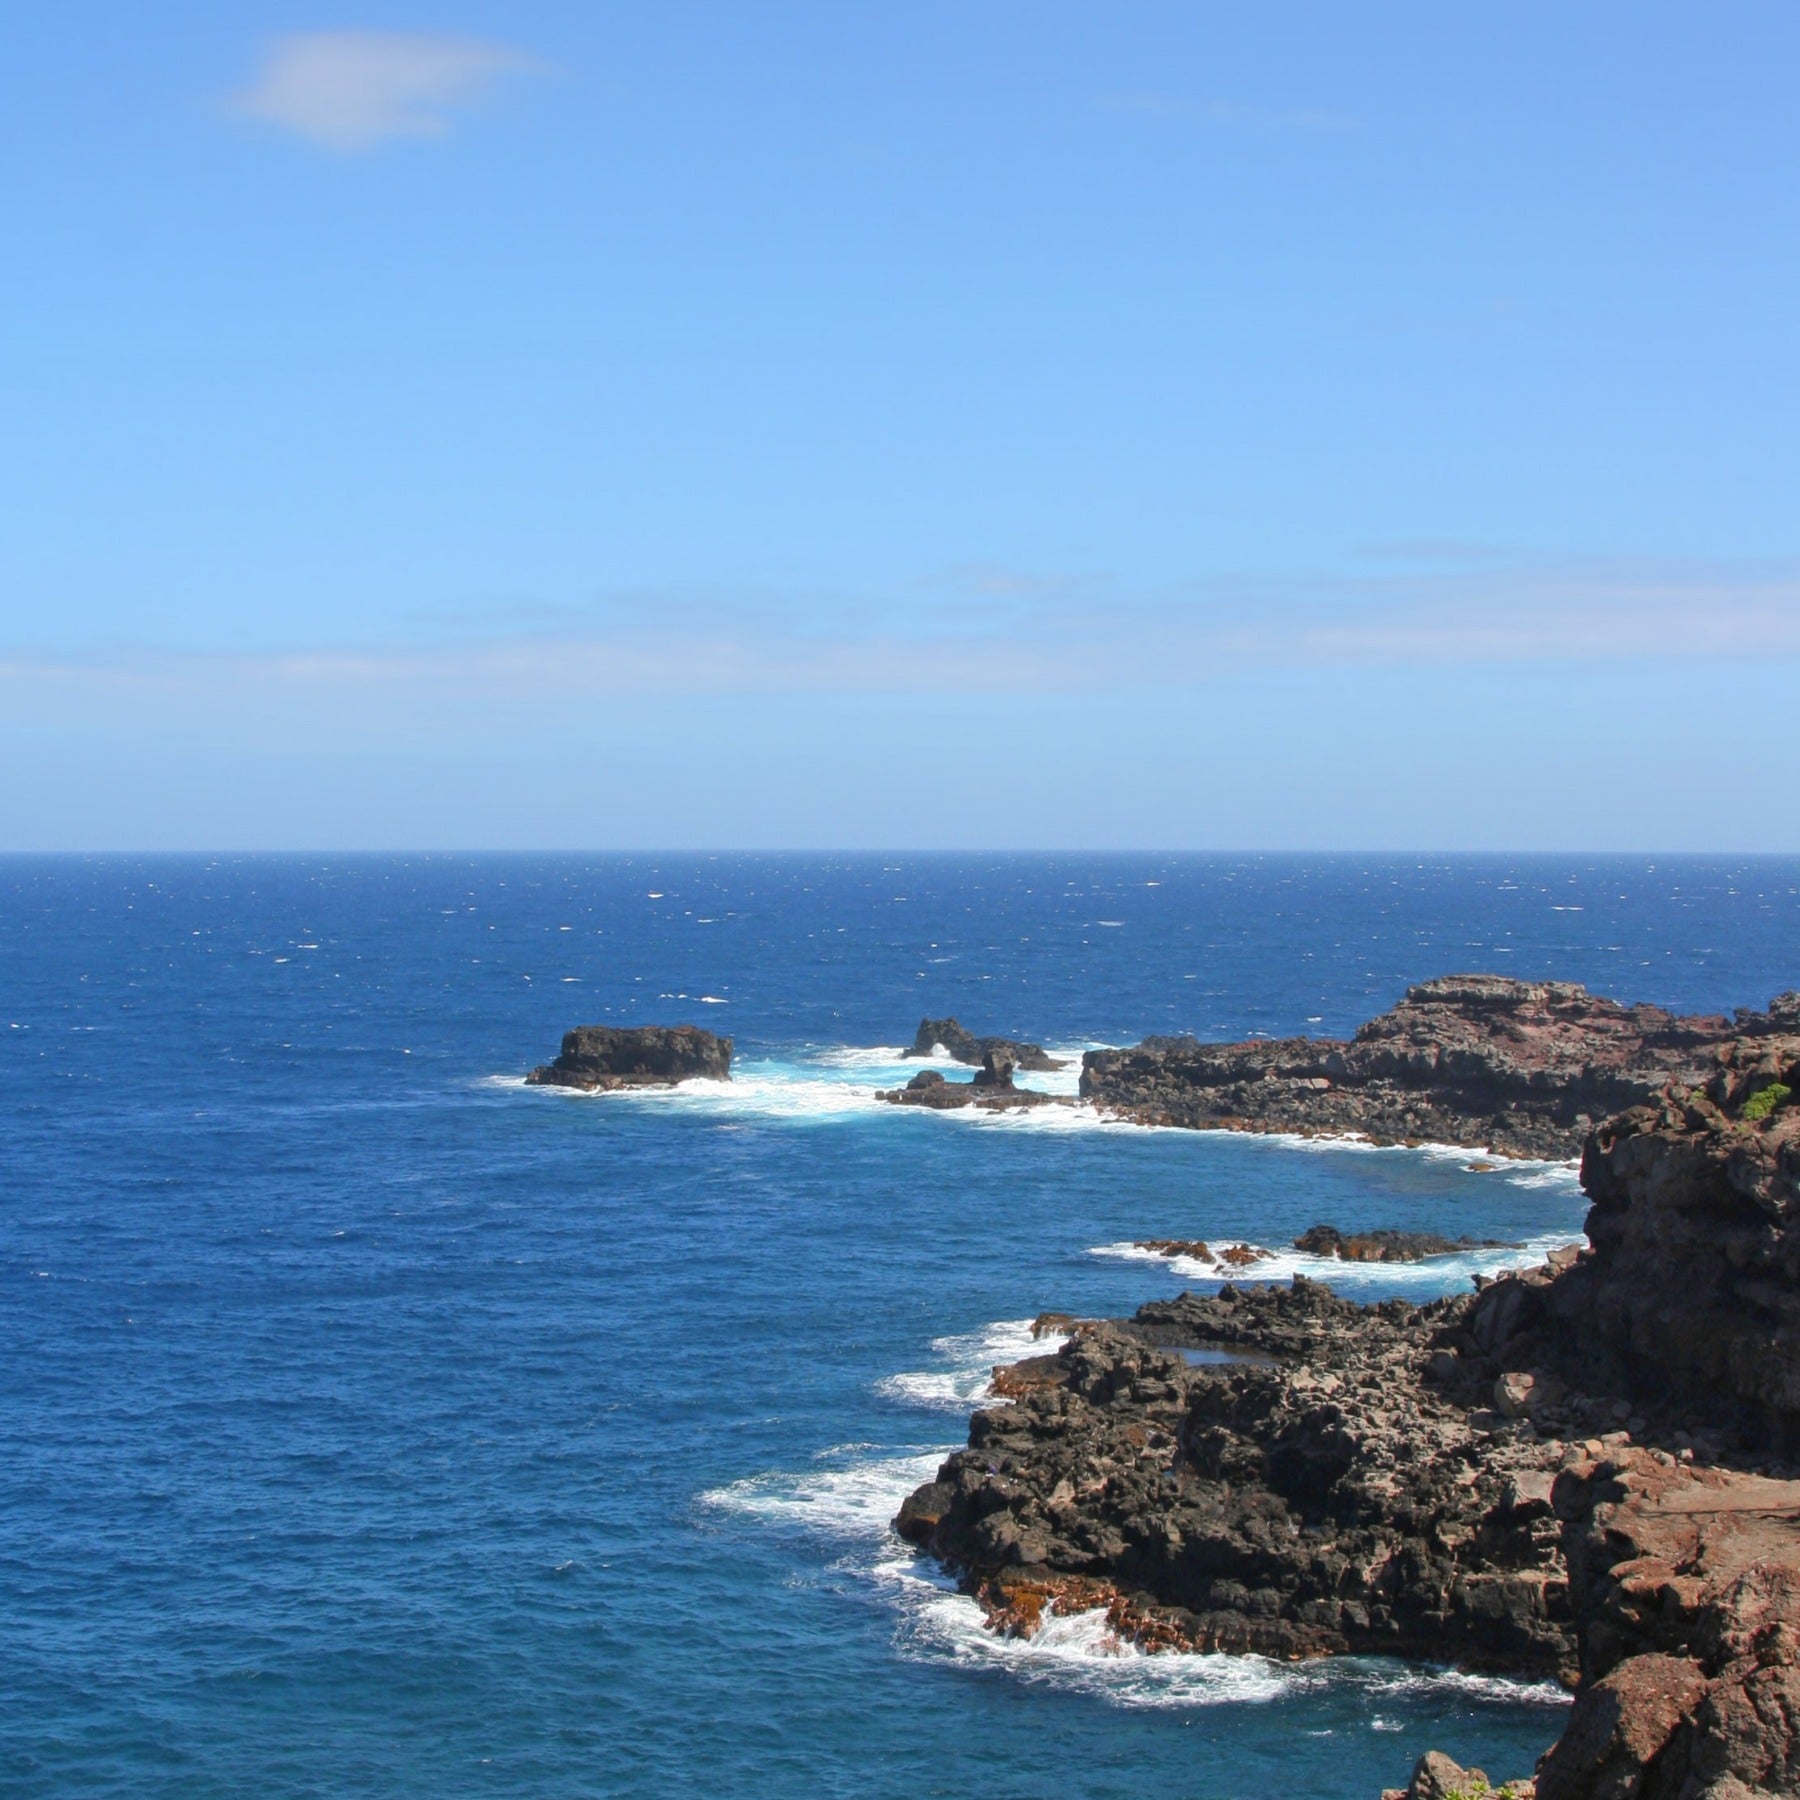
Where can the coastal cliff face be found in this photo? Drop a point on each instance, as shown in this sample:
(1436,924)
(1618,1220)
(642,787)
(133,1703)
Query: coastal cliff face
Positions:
(1582,1469)
(603,1057)
(1688,1300)
(1522,1068)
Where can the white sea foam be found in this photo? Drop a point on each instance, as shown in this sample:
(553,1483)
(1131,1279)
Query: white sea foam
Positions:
(856,1500)
(842,1080)
(852,1502)
(1285,1264)
(965,1378)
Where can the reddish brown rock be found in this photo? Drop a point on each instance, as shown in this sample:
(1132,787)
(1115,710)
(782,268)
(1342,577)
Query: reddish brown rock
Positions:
(1521,1068)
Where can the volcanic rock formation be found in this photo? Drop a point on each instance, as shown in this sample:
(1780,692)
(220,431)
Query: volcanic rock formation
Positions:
(1389,1246)
(1524,1068)
(991,1087)
(963,1047)
(1580,1469)
(632,1056)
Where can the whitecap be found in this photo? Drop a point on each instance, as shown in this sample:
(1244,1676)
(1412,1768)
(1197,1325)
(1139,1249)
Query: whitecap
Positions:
(852,1504)
(965,1379)
(1284,1264)
(856,1500)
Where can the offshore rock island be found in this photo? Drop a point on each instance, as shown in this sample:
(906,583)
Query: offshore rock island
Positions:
(600,1058)
(1584,1470)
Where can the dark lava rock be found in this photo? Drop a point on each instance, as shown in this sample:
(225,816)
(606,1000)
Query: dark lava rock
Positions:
(961,1046)
(627,1056)
(1578,1469)
(1689,1299)
(1389,1246)
(1283,1506)
(1524,1068)
(991,1088)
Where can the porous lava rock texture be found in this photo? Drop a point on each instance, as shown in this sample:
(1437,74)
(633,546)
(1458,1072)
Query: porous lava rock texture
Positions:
(1523,1068)
(962,1046)
(600,1057)
(1311,1493)
(990,1088)
(1586,1469)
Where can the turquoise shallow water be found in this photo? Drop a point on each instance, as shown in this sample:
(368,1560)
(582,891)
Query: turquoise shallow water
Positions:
(373,1425)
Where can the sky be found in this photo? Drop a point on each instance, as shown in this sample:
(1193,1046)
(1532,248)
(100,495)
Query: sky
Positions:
(1037,425)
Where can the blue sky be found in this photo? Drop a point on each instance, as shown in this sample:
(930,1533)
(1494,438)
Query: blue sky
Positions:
(942,425)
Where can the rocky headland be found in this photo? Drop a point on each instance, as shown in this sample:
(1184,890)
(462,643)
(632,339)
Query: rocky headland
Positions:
(947,1037)
(1583,1470)
(604,1057)
(1522,1068)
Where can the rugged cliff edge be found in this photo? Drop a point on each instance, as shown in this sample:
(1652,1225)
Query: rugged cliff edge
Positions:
(1582,1469)
(1524,1068)
(601,1057)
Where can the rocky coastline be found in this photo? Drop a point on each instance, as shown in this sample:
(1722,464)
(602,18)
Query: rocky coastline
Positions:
(991,1087)
(947,1037)
(1585,1470)
(1519,1068)
(601,1058)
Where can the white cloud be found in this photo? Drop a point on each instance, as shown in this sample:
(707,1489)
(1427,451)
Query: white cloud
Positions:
(981,630)
(352,90)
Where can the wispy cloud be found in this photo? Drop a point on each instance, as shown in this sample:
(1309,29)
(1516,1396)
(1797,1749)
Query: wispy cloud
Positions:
(979,629)
(354,90)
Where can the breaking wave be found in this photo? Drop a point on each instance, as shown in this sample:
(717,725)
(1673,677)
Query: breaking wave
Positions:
(968,1359)
(847,1506)
(1284,1264)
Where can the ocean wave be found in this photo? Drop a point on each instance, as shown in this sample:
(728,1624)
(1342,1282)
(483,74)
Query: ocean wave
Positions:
(970,1358)
(1284,1264)
(857,1499)
(838,1081)
(852,1505)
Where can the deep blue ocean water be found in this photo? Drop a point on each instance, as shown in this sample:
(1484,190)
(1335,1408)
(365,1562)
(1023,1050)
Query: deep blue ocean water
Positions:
(373,1425)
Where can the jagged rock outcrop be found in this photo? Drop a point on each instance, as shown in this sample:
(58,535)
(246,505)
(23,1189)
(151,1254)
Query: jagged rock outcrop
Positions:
(1388,1246)
(1684,1578)
(1686,1584)
(991,1088)
(1584,1467)
(1689,1298)
(600,1057)
(1524,1068)
(963,1047)
(1318,1496)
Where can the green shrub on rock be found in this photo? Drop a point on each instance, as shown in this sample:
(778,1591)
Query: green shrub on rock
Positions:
(1765,1100)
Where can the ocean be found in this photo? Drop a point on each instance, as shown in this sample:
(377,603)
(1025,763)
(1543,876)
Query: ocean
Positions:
(372,1424)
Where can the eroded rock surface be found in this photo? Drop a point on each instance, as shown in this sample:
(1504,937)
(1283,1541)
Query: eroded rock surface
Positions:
(991,1087)
(1324,1497)
(1524,1068)
(599,1057)
(1585,1468)
(1389,1246)
(964,1047)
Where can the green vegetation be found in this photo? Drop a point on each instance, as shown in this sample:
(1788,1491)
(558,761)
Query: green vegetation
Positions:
(1765,1100)
(1478,1789)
